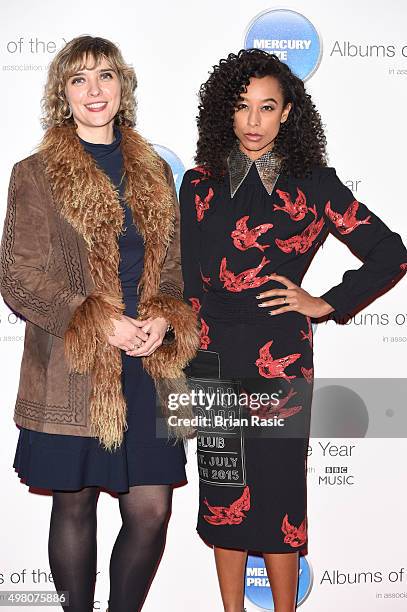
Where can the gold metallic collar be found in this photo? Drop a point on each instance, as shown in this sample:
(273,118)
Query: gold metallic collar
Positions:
(239,164)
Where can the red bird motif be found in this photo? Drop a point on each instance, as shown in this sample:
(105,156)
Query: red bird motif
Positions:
(195,303)
(205,175)
(294,536)
(308,374)
(205,340)
(229,515)
(298,209)
(346,223)
(305,335)
(202,205)
(269,409)
(247,279)
(302,242)
(244,239)
(274,368)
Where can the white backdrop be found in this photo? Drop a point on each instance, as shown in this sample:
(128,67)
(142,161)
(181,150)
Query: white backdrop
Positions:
(357,535)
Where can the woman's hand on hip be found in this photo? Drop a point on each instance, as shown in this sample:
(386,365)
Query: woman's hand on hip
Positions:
(293,298)
(128,333)
(156,329)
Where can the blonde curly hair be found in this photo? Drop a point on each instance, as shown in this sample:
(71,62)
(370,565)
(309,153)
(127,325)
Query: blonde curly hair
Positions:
(74,56)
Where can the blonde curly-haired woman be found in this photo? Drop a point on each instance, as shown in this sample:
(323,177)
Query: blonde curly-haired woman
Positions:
(90,258)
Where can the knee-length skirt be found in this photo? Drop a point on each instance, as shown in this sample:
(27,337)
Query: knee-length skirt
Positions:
(67,462)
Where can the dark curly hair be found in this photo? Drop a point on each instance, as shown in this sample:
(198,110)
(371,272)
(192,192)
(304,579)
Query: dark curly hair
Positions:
(301,141)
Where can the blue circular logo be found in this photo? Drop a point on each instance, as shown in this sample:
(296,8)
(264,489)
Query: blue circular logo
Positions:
(257,585)
(176,164)
(290,36)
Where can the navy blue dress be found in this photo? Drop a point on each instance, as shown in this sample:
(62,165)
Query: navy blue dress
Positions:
(64,462)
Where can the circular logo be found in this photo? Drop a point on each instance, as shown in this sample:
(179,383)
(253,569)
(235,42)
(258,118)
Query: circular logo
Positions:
(290,36)
(257,587)
(174,161)
(354,417)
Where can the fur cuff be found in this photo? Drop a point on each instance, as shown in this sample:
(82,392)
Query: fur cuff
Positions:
(169,359)
(88,327)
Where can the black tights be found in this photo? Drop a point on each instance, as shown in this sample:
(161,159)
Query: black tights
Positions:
(72,545)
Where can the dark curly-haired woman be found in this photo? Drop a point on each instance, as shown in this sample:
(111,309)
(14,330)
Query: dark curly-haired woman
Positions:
(254,212)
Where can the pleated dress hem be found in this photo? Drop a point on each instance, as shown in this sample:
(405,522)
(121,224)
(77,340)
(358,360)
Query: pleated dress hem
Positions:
(45,466)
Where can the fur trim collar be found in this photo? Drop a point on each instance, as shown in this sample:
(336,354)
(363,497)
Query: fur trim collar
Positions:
(89,202)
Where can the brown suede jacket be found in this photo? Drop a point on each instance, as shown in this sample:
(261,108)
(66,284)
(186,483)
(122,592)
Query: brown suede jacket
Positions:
(59,270)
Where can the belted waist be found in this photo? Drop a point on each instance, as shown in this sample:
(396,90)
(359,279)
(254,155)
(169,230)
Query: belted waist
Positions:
(244,307)
(233,306)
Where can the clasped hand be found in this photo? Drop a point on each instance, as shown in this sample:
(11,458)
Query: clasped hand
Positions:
(138,338)
(296,299)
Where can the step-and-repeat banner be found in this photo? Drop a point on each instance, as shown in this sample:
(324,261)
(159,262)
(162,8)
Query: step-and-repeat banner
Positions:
(353,56)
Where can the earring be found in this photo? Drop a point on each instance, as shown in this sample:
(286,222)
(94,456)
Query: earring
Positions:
(70,113)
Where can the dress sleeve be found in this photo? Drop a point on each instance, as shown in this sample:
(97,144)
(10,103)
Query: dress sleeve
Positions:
(382,251)
(190,241)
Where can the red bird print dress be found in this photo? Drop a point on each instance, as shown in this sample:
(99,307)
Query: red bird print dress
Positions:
(253,492)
